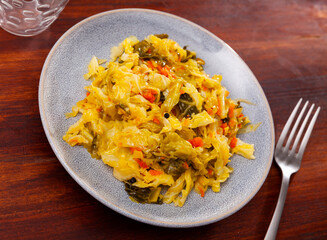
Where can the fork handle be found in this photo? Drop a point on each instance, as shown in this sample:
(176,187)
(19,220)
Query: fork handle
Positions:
(273,227)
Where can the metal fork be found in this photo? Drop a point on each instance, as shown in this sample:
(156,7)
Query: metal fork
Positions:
(288,160)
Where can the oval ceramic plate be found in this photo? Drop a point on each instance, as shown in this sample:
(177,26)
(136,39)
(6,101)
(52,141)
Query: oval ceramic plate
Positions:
(61,86)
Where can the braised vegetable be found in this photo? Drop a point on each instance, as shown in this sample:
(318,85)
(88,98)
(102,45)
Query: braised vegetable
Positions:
(154,116)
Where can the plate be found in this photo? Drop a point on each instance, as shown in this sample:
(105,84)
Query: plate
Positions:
(61,86)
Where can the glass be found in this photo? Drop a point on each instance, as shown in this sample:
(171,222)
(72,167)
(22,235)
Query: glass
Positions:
(29,17)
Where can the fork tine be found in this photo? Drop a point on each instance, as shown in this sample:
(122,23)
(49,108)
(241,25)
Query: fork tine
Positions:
(298,136)
(290,138)
(287,125)
(307,134)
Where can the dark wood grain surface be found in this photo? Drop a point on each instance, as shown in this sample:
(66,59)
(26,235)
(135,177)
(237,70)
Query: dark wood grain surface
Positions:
(285,45)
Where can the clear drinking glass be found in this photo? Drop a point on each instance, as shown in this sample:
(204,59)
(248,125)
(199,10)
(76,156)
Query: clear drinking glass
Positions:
(29,17)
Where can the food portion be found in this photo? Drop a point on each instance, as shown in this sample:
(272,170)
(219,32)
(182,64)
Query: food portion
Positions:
(163,124)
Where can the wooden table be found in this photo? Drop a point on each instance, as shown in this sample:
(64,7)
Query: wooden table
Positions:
(285,45)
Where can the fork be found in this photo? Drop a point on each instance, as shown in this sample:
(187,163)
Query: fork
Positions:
(288,160)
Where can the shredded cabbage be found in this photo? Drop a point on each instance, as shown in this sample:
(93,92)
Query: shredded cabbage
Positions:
(159,121)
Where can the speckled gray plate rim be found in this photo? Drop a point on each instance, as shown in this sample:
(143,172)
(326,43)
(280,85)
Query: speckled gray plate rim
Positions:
(61,84)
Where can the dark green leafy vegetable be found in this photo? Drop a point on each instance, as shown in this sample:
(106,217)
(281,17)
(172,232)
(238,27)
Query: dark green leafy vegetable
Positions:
(175,167)
(186,97)
(211,148)
(187,105)
(93,147)
(189,55)
(225,120)
(143,49)
(162,97)
(146,51)
(132,180)
(140,195)
(161,36)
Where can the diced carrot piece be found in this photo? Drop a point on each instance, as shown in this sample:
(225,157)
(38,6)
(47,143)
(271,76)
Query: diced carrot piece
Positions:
(232,123)
(210,171)
(186,122)
(156,120)
(196,142)
(150,64)
(149,94)
(164,70)
(73,140)
(233,142)
(201,191)
(219,107)
(141,163)
(87,94)
(149,97)
(135,149)
(155,172)
(231,110)
(226,93)
(210,111)
(199,142)
(185,165)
